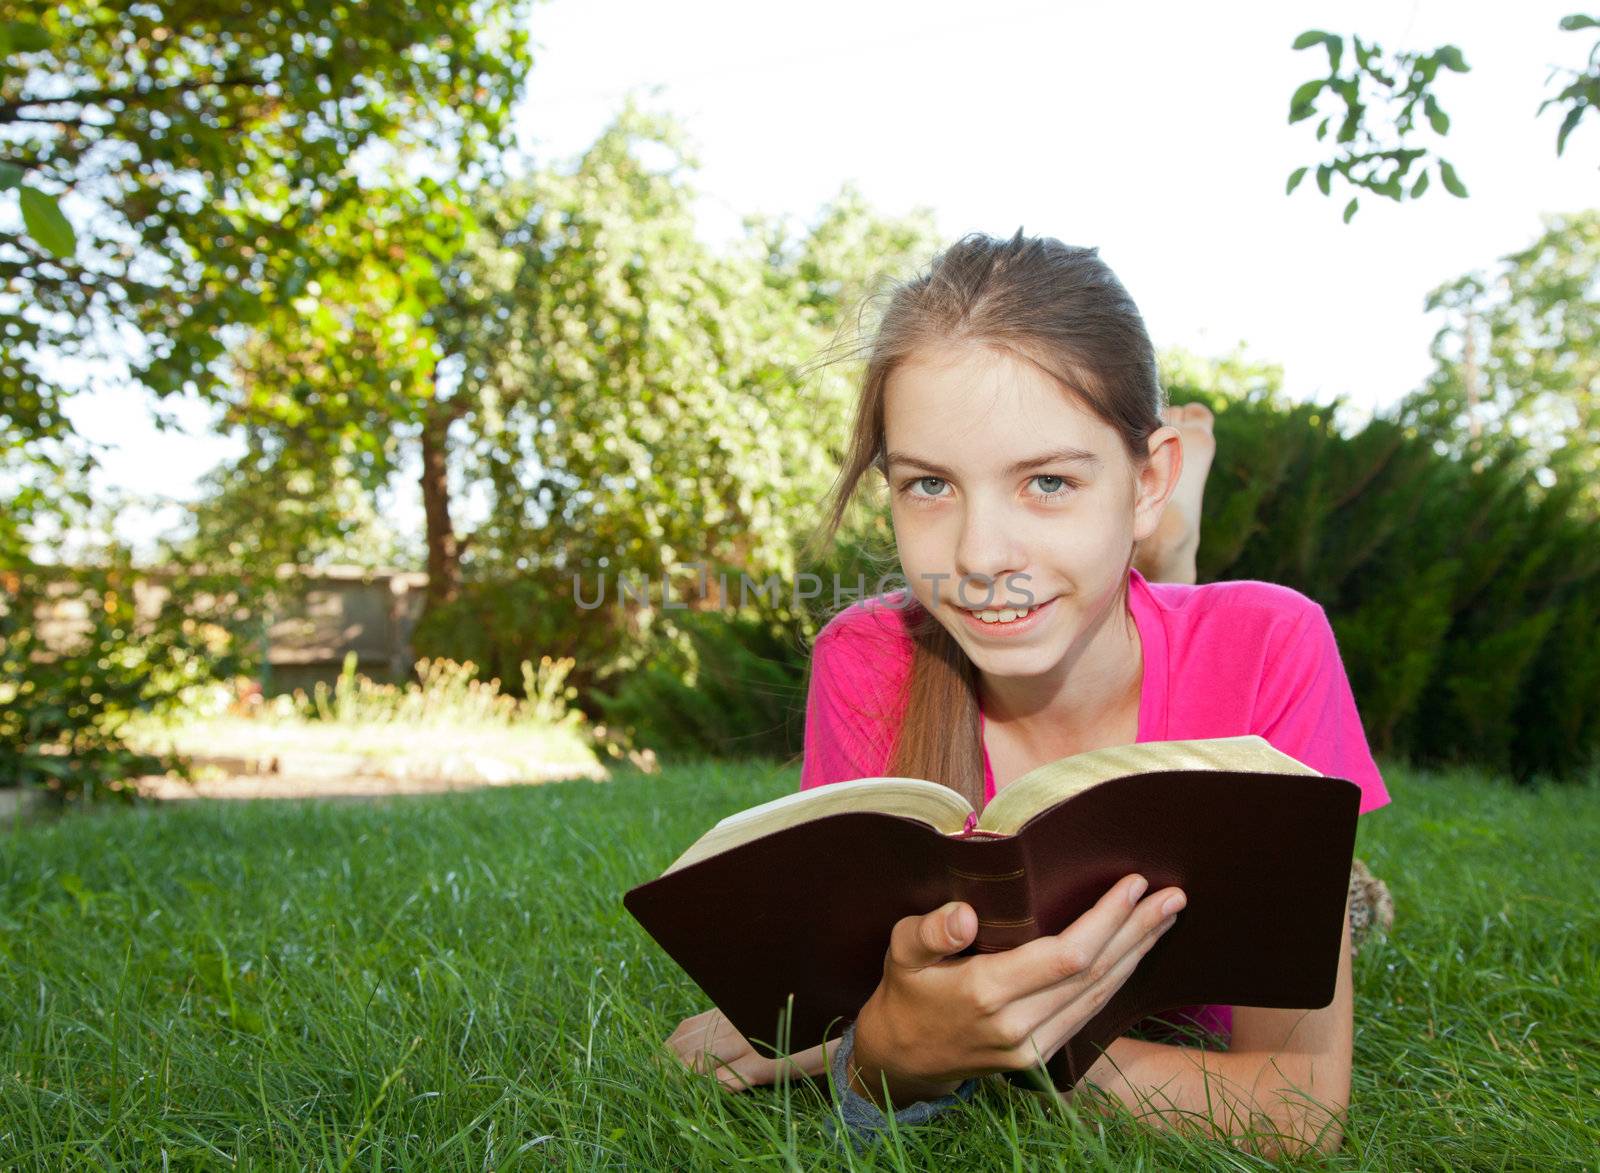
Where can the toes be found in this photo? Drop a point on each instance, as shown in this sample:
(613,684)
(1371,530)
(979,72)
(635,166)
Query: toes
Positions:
(1181,415)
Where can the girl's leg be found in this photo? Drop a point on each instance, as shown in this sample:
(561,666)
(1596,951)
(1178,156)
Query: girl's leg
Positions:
(1168,554)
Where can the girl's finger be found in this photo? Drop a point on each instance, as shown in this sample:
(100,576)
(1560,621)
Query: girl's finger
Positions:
(1044,1004)
(746,1072)
(1068,955)
(694,1026)
(1060,1027)
(709,1058)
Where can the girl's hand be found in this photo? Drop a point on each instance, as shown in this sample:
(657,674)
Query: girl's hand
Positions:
(708,1043)
(935,1021)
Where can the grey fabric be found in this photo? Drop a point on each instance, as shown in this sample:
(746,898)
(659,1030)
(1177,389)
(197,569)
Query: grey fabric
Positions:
(863,1119)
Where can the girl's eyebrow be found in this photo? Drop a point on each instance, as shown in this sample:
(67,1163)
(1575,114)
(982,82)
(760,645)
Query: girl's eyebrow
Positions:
(1055,456)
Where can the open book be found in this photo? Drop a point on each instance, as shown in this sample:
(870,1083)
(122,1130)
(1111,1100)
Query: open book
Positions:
(782,913)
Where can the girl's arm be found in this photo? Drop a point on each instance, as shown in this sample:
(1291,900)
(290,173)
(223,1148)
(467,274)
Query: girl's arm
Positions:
(1285,1078)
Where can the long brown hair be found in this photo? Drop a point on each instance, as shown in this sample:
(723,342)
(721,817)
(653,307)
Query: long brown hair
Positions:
(1056,306)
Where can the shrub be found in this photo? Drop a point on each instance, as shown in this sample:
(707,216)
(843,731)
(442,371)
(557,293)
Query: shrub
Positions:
(722,685)
(67,693)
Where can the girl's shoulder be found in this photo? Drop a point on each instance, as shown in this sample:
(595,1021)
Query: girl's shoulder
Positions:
(1244,630)
(872,633)
(1231,606)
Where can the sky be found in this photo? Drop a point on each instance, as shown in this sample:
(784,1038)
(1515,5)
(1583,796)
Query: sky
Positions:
(1155,131)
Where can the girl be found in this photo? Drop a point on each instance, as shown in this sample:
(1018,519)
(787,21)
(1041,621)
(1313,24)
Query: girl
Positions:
(1011,404)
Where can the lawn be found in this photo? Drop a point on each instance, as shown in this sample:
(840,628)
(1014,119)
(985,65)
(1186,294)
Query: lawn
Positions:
(451,982)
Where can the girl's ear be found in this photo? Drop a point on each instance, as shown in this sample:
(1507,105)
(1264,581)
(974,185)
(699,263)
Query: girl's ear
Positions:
(1155,479)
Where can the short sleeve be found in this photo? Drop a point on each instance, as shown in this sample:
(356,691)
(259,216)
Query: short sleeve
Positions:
(1306,709)
(850,711)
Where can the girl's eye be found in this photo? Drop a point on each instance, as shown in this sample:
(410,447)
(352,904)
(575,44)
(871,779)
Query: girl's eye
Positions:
(923,481)
(1054,486)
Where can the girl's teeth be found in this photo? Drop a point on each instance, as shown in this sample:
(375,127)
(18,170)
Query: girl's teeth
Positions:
(1003,616)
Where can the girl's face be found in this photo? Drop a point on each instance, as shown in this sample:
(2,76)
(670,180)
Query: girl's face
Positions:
(1004,490)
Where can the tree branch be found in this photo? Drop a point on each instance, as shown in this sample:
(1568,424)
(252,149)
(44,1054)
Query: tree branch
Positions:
(8,110)
(63,120)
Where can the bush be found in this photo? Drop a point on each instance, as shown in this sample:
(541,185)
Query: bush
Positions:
(723,685)
(500,624)
(445,693)
(66,695)
(1463,595)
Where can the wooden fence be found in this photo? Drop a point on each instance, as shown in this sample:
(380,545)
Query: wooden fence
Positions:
(307,636)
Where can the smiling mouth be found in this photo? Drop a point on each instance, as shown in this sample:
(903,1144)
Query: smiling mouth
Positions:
(1003,617)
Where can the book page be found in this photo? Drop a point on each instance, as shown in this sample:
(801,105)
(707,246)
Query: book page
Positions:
(1042,788)
(914,798)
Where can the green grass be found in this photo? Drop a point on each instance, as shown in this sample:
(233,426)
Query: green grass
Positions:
(452,982)
(404,750)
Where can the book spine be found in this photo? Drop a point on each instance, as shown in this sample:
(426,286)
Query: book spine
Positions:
(990,875)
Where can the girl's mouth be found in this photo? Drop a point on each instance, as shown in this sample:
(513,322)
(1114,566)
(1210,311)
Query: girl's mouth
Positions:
(1004,622)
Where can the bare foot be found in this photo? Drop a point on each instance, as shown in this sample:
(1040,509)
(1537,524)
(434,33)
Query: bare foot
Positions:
(1168,555)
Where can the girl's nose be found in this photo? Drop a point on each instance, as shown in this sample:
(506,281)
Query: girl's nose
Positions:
(985,555)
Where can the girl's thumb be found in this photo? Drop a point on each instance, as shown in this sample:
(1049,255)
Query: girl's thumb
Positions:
(960,923)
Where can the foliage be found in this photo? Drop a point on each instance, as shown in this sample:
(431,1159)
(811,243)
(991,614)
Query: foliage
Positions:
(1380,102)
(617,397)
(614,394)
(729,685)
(452,983)
(1363,156)
(1458,592)
(331,390)
(1582,93)
(444,693)
(181,171)
(502,622)
(639,411)
(1519,352)
(69,688)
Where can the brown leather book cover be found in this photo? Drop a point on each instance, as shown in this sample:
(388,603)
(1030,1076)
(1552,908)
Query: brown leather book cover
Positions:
(797,921)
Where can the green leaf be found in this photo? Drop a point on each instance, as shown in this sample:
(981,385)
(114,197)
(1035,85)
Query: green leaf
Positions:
(294,284)
(1450,57)
(1308,38)
(1437,118)
(1295,177)
(46,224)
(1324,178)
(1421,185)
(1304,102)
(1578,21)
(18,36)
(1350,209)
(1452,183)
(1568,124)
(10,176)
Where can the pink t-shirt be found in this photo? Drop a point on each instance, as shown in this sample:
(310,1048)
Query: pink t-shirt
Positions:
(1220,660)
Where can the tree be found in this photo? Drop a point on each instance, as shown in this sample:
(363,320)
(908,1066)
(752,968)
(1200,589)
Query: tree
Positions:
(1519,358)
(171,171)
(615,395)
(1381,101)
(330,387)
